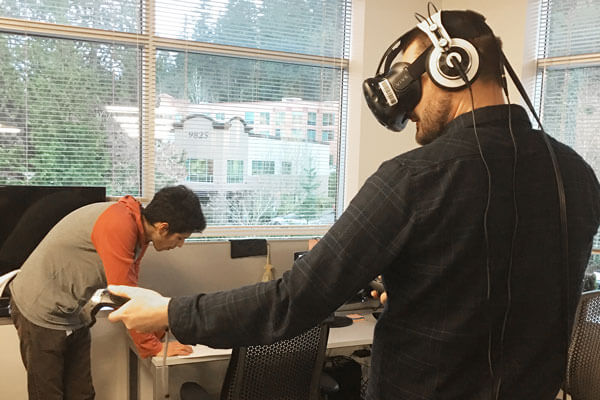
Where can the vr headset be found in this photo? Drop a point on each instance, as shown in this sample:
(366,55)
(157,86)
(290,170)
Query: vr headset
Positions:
(392,94)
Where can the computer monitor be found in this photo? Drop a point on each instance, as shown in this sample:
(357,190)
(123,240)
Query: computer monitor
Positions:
(29,212)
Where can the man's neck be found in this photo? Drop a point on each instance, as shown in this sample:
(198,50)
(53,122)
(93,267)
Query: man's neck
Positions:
(148,230)
(484,95)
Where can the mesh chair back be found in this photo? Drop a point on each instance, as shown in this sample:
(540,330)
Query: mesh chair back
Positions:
(583,370)
(285,370)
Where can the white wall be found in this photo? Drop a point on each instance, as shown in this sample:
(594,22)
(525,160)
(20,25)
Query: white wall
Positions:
(201,267)
(376,24)
(511,20)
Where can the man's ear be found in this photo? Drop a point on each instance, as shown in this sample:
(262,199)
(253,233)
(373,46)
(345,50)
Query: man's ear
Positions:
(162,227)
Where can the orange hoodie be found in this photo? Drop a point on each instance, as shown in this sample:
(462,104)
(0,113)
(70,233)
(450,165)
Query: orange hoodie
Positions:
(118,237)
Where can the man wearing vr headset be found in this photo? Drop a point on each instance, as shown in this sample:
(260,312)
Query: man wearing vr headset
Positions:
(465,232)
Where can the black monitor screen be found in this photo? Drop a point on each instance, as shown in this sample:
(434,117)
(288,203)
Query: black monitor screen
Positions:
(29,212)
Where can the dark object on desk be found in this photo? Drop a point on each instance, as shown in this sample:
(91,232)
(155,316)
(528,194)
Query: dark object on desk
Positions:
(337,321)
(290,369)
(584,350)
(248,248)
(361,353)
(100,298)
(376,314)
(348,374)
(29,212)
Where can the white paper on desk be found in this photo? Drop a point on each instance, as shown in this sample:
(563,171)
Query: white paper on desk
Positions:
(6,278)
(200,350)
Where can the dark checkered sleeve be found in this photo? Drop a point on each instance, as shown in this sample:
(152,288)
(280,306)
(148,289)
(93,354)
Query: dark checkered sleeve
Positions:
(368,236)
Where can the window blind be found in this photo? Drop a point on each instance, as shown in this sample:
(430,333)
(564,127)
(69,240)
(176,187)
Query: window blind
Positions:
(243,101)
(568,80)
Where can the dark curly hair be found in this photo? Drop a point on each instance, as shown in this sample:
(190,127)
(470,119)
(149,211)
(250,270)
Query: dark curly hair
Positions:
(179,207)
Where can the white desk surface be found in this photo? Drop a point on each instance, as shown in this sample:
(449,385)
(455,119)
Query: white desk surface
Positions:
(357,334)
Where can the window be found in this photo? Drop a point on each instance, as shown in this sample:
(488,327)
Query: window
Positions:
(298,118)
(280,118)
(137,94)
(328,119)
(249,117)
(235,171)
(263,167)
(327,136)
(297,133)
(568,81)
(199,170)
(311,135)
(265,118)
(286,168)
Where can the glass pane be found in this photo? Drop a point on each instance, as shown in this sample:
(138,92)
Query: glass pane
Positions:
(116,15)
(571,112)
(572,27)
(289,176)
(310,27)
(69,113)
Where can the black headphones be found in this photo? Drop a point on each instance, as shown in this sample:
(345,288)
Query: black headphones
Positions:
(394,93)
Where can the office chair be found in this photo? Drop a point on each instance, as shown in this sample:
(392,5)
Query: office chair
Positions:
(583,368)
(290,369)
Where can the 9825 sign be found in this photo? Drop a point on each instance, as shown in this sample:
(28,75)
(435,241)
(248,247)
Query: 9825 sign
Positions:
(198,134)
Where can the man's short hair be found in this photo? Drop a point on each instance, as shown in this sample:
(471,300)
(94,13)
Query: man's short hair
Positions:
(179,207)
(471,26)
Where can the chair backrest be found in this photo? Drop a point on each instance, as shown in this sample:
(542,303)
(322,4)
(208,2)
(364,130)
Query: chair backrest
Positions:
(583,370)
(286,370)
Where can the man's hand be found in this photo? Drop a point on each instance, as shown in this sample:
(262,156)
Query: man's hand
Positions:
(147,311)
(378,291)
(176,349)
(382,297)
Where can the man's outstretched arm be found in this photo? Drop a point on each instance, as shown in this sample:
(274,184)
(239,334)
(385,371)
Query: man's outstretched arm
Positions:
(367,238)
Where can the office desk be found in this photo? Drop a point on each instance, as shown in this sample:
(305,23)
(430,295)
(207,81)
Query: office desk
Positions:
(359,334)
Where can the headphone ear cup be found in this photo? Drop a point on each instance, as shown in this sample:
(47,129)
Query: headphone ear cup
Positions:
(443,73)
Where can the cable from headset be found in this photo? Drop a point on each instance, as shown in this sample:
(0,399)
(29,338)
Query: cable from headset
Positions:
(516,222)
(562,205)
(456,64)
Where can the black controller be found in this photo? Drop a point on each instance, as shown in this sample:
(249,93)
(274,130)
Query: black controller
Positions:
(101,298)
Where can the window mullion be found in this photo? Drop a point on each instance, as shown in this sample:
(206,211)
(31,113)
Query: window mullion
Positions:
(148,103)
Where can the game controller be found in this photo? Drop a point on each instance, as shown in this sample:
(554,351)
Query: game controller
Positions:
(100,298)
